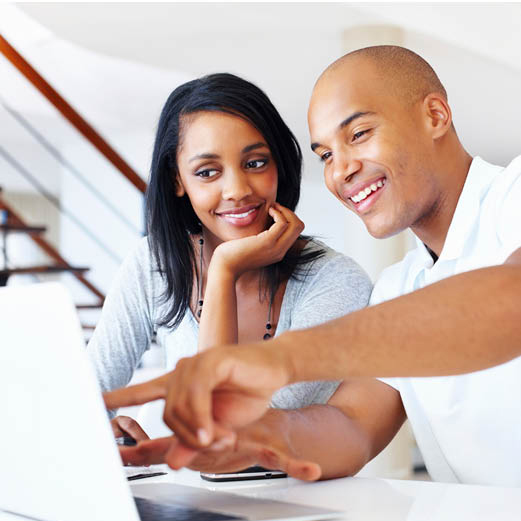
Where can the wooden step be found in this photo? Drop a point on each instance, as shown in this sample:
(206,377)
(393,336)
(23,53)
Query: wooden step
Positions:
(16,228)
(38,270)
(98,305)
(42,270)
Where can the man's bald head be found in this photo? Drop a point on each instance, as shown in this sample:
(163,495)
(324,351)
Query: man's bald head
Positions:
(379,120)
(404,73)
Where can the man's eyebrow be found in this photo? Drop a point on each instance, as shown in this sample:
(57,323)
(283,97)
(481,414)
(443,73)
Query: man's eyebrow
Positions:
(204,156)
(352,117)
(345,123)
(249,148)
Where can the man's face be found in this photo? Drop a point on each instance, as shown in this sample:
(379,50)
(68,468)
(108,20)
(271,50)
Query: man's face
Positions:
(376,152)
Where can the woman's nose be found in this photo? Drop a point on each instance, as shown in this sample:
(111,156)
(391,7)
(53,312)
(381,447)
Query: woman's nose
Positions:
(236,185)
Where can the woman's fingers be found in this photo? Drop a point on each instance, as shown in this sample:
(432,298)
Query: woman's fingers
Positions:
(295,225)
(149,452)
(126,426)
(279,226)
(137,394)
(286,228)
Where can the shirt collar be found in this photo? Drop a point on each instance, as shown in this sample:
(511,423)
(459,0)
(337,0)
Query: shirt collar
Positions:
(479,178)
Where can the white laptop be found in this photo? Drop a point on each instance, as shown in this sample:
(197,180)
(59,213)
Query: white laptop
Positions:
(59,461)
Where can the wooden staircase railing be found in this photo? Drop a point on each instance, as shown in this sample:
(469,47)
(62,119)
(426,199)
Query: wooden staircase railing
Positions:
(69,113)
(84,128)
(14,220)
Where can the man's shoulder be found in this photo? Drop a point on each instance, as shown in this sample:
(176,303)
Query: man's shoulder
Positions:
(505,179)
(391,281)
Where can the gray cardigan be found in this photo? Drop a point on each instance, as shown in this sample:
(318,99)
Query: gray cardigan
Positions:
(330,286)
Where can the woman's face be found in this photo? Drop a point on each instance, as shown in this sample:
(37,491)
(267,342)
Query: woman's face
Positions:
(227,170)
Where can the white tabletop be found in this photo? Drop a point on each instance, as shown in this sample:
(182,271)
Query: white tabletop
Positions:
(369,499)
(376,499)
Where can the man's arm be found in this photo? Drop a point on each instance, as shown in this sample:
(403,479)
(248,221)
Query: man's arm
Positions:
(464,323)
(461,324)
(320,441)
(358,422)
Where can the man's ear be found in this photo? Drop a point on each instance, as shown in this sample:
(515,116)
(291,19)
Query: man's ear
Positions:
(438,115)
(179,188)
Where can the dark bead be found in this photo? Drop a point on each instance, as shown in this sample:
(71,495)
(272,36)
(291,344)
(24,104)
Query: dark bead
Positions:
(200,302)
(199,314)
(267,336)
(201,241)
(268,326)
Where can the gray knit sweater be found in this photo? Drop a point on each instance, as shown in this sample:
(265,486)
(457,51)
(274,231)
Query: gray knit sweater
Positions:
(331,286)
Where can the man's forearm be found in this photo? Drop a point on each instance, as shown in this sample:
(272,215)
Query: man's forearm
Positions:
(319,433)
(462,324)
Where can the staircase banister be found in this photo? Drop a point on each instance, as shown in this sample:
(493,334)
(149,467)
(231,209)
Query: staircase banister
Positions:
(68,112)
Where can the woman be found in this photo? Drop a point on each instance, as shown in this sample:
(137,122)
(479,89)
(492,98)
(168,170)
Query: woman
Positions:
(224,261)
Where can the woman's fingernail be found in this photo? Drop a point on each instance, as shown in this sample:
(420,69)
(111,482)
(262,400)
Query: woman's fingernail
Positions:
(203,437)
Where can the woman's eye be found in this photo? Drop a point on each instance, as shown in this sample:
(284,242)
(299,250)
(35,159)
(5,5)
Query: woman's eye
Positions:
(206,173)
(358,135)
(256,163)
(325,156)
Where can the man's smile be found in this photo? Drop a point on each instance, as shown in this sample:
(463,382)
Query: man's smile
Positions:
(364,194)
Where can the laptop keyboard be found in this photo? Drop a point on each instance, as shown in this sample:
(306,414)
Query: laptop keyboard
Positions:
(155,511)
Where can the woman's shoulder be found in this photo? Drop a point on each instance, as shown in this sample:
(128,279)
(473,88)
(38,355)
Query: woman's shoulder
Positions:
(140,257)
(139,269)
(329,286)
(332,262)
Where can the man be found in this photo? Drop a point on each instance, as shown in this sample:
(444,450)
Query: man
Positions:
(380,121)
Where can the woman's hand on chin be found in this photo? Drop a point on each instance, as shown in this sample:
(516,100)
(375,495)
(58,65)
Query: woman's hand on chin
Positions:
(268,247)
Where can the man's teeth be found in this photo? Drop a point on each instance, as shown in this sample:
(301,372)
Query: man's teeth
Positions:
(360,196)
(240,215)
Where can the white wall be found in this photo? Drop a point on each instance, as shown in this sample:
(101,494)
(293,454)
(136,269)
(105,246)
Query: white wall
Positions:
(282,48)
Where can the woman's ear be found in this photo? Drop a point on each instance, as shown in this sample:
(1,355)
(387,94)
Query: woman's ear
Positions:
(438,115)
(179,188)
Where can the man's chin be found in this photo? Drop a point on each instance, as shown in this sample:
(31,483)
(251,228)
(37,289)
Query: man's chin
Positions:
(382,230)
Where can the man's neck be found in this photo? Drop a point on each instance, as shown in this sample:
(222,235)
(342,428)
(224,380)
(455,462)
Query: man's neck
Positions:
(433,230)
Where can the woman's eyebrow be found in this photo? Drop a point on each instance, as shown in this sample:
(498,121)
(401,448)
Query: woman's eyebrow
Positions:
(249,148)
(245,150)
(204,156)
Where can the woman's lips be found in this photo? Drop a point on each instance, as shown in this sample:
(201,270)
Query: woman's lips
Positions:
(240,216)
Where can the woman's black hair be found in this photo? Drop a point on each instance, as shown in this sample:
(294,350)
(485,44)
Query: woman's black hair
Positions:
(171,220)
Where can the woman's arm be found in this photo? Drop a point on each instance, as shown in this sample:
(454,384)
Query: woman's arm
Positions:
(125,328)
(218,323)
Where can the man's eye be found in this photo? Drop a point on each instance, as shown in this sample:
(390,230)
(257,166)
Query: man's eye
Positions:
(206,173)
(358,135)
(325,156)
(256,163)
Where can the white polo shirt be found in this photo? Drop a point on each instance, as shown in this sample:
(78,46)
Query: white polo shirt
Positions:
(468,427)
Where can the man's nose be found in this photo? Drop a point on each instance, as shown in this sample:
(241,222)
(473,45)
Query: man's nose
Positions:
(345,167)
(236,185)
